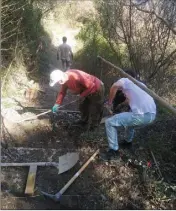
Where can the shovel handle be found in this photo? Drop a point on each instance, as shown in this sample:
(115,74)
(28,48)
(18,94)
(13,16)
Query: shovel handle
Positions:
(59,194)
(46,112)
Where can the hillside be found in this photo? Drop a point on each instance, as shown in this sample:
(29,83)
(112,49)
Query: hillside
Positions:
(31,32)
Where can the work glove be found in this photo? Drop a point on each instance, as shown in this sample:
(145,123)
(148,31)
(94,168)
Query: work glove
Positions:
(55,108)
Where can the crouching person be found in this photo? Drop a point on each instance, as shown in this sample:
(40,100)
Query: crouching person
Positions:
(143,112)
(90,89)
(119,103)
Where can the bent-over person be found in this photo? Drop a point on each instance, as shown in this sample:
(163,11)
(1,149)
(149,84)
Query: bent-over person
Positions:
(90,89)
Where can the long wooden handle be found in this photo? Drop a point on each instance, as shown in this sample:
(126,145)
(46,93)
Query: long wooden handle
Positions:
(59,194)
(46,112)
(30,164)
(34,117)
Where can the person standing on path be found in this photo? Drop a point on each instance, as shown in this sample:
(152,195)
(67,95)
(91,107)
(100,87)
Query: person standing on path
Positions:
(143,112)
(65,54)
(90,89)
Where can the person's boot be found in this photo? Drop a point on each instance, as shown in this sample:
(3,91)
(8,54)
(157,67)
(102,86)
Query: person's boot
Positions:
(125,144)
(110,155)
(80,122)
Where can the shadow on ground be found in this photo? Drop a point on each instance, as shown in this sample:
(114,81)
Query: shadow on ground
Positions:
(100,186)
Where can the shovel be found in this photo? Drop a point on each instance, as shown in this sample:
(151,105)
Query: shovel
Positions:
(66,162)
(57,196)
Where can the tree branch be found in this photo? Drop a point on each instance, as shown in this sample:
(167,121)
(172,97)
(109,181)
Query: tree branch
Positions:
(165,61)
(173,29)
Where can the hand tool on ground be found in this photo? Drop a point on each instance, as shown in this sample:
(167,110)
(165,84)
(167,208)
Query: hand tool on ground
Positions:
(41,114)
(57,196)
(46,109)
(65,163)
(104,119)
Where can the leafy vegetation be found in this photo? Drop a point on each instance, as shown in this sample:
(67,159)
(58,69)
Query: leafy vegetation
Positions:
(137,34)
(133,36)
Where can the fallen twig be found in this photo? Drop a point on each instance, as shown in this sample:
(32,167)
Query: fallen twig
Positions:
(154,159)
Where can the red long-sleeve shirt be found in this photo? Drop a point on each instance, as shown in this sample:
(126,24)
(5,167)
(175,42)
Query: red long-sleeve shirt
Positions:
(79,82)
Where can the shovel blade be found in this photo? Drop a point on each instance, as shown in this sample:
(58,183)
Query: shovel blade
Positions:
(67,161)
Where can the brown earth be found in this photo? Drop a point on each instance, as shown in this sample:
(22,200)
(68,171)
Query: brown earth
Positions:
(102,185)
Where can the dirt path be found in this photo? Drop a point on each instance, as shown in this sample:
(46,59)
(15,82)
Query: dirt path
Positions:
(101,186)
(36,135)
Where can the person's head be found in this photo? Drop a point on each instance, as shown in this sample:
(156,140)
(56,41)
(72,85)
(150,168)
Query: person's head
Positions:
(64,39)
(57,76)
(130,72)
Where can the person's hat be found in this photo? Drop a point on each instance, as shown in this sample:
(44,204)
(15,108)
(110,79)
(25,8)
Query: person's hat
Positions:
(57,76)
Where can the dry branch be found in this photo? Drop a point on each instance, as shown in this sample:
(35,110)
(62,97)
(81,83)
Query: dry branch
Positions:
(154,159)
(149,91)
(159,17)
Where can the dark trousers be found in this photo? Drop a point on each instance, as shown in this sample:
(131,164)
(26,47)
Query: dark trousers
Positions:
(92,108)
(65,64)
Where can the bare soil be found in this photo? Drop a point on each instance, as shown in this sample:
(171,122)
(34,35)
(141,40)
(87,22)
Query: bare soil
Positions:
(115,185)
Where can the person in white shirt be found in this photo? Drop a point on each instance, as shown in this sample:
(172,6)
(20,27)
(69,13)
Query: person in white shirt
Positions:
(143,112)
(65,54)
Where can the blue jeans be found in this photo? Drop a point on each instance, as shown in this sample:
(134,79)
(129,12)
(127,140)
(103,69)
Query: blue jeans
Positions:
(129,121)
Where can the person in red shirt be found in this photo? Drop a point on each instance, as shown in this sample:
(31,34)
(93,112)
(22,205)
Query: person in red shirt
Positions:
(90,89)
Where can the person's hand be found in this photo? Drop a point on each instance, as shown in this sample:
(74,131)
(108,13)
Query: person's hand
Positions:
(108,106)
(55,108)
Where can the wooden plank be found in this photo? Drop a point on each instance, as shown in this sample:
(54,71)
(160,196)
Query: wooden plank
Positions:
(31,180)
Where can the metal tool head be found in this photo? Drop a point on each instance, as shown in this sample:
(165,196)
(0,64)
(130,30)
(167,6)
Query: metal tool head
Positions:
(67,161)
(50,196)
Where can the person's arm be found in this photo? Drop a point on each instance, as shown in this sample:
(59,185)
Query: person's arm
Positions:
(58,53)
(71,53)
(61,95)
(114,88)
